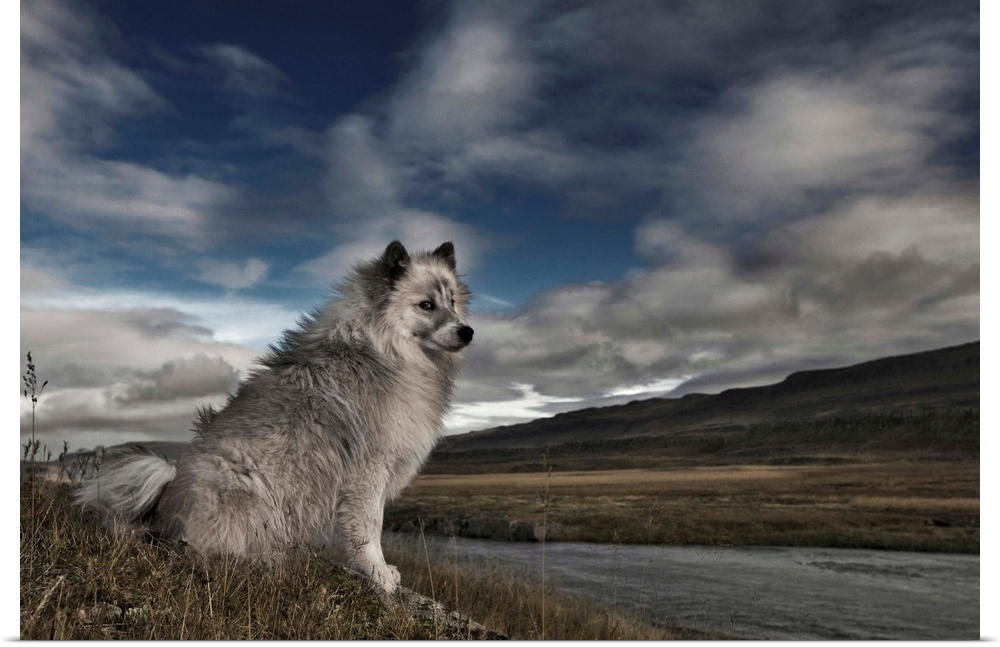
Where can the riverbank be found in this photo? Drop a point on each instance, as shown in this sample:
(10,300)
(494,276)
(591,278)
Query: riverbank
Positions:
(900,505)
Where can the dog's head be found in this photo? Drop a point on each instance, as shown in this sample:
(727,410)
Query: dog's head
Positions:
(427,303)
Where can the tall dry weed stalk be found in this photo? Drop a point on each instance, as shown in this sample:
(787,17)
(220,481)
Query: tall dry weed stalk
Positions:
(430,572)
(32,391)
(545,530)
(31,450)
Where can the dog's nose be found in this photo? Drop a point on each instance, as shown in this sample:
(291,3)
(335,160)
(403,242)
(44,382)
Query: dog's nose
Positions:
(465,334)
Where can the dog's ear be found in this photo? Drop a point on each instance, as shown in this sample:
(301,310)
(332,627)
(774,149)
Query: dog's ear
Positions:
(395,260)
(447,252)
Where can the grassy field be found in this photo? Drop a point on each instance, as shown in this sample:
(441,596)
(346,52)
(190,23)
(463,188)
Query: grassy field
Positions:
(905,505)
(79,582)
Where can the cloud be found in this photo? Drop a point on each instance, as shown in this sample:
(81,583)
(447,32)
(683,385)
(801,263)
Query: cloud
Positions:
(70,88)
(870,278)
(110,407)
(242,71)
(198,376)
(943,226)
(366,186)
(617,111)
(797,135)
(73,94)
(123,375)
(92,194)
(417,230)
(362,182)
(796,215)
(873,121)
(790,179)
(247,323)
(123,368)
(40,280)
(527,404)
(472,79)
(233,276)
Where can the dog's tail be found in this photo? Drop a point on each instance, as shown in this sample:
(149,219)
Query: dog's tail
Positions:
(126,488)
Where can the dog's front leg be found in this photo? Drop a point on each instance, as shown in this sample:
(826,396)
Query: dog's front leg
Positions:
(358,522)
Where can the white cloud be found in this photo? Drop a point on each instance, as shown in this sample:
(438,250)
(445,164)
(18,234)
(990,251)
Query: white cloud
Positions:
(362,182)
(70,88)
(527,405)
(241,70)
(870,122)
(91,193)
(813,131)
(41,280)
(103,365)
(73,93)
(943,226)
(366,187)
(649,389)
(471,80)
(234,276)
(231,320)
(126,366)
(486,302)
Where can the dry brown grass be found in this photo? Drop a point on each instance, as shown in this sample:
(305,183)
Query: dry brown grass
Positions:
(80,582)
(918,505)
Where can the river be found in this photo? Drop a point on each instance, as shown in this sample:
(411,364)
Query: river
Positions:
(763,593)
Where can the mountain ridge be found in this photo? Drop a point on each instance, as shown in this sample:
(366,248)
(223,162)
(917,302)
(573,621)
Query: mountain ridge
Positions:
(921,403)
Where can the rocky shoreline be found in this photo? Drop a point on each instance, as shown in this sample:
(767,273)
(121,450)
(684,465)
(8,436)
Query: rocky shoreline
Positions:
(416,519)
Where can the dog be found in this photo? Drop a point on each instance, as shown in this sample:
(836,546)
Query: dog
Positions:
(337,418)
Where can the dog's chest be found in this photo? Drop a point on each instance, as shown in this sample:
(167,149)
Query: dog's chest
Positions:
(411,427)
(415,412)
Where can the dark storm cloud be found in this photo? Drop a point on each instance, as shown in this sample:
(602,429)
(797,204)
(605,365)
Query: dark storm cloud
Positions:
(198,376)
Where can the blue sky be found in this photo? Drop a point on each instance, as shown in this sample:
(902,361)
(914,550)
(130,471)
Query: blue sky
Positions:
(646,198)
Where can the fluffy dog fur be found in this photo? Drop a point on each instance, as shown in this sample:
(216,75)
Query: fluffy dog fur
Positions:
(336,420)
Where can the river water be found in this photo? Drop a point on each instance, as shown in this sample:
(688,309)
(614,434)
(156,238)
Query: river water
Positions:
(764,593)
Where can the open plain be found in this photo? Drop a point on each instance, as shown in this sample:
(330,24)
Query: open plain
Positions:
(898,505)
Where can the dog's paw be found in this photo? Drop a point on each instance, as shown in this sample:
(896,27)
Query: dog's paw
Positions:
(394,574)
(384,579)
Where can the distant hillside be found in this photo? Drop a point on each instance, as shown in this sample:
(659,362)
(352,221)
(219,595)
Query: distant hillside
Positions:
(922,405)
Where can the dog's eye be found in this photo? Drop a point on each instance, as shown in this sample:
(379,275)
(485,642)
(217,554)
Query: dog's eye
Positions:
(452,303)
(426,305)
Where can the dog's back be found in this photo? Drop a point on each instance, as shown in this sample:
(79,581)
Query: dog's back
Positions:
(339,417)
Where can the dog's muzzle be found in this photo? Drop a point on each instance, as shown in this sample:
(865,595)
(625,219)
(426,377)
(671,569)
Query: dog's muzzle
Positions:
(465,334)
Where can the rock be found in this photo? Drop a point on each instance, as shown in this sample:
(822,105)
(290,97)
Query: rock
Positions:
(424,608)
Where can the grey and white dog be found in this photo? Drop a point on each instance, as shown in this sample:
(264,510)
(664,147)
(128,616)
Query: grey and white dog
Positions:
(336,420)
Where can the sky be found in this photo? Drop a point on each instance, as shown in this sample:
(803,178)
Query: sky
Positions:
(646,198)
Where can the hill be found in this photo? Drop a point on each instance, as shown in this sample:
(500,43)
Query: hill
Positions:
(918,405)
